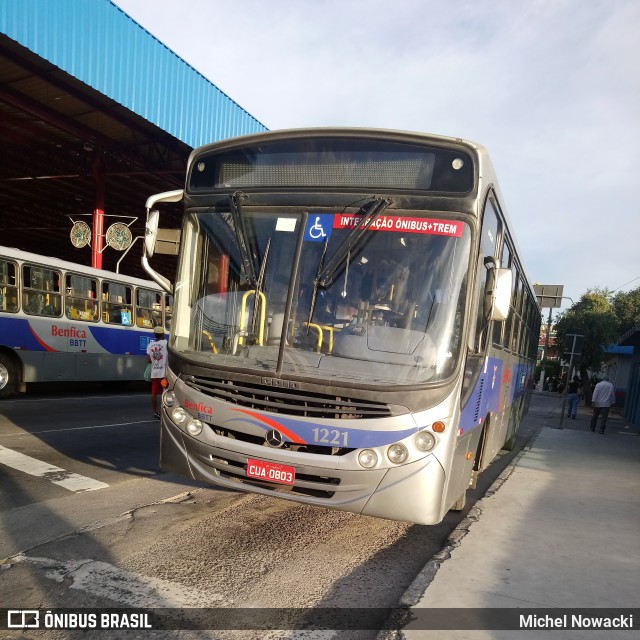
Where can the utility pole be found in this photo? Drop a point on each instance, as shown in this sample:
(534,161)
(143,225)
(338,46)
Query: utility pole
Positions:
(548,295)
(564,393)
(546,348)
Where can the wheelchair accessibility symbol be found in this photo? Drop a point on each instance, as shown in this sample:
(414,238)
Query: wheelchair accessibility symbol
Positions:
(316,231)
(319,227)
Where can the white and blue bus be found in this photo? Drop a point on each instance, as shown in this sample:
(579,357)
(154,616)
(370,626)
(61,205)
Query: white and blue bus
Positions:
(353,326)
(61,321)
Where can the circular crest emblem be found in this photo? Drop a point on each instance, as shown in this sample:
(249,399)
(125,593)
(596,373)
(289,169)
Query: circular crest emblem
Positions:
(80,235)
(118,236)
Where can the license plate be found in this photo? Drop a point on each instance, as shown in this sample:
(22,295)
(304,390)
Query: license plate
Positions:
(270,471)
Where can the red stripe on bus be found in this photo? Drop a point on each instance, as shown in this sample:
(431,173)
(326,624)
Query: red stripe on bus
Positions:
(276,425)
(44,345)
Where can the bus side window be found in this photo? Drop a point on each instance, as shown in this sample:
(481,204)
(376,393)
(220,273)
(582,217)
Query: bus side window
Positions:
(8,286)
(40,304)
(117,307)
(168,311)
(499,327)
(41,291)
(488,249)
(81,301)
(513,321)
(148,308)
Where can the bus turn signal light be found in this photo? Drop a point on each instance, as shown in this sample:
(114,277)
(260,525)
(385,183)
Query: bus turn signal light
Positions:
(438,427)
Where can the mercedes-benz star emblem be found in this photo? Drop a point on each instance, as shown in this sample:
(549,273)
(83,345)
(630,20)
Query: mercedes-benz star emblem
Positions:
(274,438)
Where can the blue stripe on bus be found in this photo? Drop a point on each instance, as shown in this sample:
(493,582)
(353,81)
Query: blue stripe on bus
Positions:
(485,397)
(121,340)
(18,333)
(323,435)
(487,393)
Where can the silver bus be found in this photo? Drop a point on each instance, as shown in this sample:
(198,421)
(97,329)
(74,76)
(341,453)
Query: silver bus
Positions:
(352,328)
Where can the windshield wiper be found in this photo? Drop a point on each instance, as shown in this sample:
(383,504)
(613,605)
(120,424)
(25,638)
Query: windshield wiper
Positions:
(257,302)
(247,256)
(314,290)
(327,272)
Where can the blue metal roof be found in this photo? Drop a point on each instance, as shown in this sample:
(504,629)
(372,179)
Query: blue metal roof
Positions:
(617,350)
(99,44)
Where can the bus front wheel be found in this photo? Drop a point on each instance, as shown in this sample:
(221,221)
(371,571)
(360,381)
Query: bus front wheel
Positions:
(8,374)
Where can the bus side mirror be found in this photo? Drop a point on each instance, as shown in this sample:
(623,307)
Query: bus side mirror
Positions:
(166,241)
(151,235)
(499,287)
(151,232)
(153,218)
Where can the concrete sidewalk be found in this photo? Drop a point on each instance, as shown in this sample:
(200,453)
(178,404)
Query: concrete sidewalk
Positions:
(562,531)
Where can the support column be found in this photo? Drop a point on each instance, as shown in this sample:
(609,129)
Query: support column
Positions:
(97,235)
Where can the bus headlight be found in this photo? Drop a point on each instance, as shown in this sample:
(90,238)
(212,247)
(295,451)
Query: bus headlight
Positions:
(179,415)
(368,458)
(169,398)
(397,453)
(194,427)
(425,440)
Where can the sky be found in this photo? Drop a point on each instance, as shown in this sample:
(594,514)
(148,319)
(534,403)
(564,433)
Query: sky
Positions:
(550,87)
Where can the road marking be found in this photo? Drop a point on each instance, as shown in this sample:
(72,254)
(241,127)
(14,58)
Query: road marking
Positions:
(105,580)
(96,426)
(61,477)
(23,400)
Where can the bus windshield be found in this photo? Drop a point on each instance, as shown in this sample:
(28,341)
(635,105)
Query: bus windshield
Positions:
(389,313)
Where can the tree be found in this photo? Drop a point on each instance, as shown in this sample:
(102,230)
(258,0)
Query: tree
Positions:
(626,306)
(594,318)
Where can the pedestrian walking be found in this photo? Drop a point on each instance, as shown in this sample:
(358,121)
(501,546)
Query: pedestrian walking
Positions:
(573,397)
(603,398)
(157,356)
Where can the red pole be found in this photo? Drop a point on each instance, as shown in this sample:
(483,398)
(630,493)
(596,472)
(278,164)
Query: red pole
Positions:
(98,215)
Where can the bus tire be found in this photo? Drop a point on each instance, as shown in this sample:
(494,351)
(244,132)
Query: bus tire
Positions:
(459,504)
(510,444)
(8,375)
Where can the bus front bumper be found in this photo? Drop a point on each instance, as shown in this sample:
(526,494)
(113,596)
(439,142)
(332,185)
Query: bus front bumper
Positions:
(411,492)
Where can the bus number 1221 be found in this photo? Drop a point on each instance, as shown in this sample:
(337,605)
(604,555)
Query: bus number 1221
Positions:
(333,437)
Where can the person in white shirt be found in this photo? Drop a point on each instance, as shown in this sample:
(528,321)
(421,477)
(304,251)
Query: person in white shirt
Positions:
(157,356)
(603,397)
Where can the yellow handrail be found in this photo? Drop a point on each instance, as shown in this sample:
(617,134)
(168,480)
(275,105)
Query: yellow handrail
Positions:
(211,343)
(263,313)
(330,330)
(321,328)
(318,328)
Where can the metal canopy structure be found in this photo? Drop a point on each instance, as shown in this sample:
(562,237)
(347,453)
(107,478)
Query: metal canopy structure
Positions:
(58,135)
(68,147)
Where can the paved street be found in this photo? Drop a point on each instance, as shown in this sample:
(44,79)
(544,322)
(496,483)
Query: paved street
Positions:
(141,537)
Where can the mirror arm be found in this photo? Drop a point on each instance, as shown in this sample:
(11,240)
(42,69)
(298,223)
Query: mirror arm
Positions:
(156,277)
(151,230)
